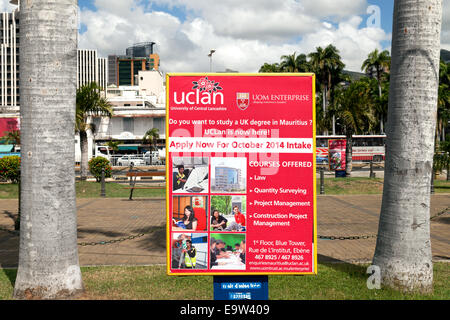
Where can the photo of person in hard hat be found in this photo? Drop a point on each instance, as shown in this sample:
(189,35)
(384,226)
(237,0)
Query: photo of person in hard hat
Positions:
(179,178)
(189,251)
(190,255)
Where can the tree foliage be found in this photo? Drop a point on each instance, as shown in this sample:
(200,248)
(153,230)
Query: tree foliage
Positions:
(97,164)
(90,102)
(151,137)
(10,168)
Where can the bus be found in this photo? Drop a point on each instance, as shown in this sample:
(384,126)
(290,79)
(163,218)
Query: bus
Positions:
(365,148)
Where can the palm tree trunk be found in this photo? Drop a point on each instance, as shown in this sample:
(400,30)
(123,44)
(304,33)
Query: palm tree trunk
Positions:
(324,108)
(84,146)
(381,113)
(348,155)
(403,249)
(48,253)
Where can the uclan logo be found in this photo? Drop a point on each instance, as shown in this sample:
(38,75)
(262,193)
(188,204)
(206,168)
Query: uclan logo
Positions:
(195,97)
(205,93)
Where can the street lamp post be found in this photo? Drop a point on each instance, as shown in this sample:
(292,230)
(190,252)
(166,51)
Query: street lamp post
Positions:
(210,59)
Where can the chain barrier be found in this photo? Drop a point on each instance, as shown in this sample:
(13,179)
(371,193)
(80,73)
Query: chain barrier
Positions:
(445,211)
(131,237)
(84,244)
(14,232)
(346,237)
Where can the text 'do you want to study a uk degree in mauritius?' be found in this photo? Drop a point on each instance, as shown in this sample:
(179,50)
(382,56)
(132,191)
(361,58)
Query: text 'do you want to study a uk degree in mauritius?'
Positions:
(241,174)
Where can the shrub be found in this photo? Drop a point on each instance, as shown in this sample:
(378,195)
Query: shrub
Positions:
(95,167)
(10,168)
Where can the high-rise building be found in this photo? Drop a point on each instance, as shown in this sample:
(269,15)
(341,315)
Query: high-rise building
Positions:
(9,62)
(124,70)
(91,68)
(112,69)
(142,49)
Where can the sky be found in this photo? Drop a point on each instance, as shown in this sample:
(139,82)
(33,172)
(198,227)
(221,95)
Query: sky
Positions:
(244,33)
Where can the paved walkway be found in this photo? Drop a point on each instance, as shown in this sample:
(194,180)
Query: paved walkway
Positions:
(121,232)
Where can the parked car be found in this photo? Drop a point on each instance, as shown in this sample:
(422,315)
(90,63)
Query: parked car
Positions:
(135,161)
(155,158)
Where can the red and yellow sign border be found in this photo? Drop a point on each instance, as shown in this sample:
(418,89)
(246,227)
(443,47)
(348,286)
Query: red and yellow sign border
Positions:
(168,223)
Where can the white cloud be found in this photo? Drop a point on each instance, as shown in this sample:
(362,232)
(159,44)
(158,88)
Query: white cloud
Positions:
(5,6)
(445,34)
(354,43)
(245,34)
(333,9)
(273,20)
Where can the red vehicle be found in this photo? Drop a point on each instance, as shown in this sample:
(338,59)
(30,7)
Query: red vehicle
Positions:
(365,148)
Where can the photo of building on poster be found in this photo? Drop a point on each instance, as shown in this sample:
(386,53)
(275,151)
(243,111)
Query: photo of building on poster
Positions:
(228,213)
(227,251)
(189,213)
(228,175)
(190,175)
(189,251)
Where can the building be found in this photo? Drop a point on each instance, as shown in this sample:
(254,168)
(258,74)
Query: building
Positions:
(91,68)
(136,109)
(124,70)
(151,83)
(445,55)
(134,115)
(9,63)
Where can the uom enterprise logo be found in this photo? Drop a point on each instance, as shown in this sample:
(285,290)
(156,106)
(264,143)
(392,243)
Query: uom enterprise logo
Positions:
(206,93)
(242,100)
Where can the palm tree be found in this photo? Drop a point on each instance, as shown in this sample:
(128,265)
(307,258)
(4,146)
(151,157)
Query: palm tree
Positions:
(327,64)
(13,137)
(90,103)
(151,137)
(443,115)
(48,252)
(441,160)
(403,248)
(377,63)
(267,67)
(114,145)
(354,108)
(294,63)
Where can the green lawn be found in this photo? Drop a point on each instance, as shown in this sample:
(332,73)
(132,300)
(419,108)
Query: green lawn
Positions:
(115,190)
(333,186)
(87,189)
(334,281)
(351,186)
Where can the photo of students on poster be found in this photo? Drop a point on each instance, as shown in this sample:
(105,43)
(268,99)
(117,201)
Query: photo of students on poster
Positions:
(222,256)
(229,213)
(189,213)
(190,175)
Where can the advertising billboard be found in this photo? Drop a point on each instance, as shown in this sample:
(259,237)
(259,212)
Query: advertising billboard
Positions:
(240,169)
(336,154)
